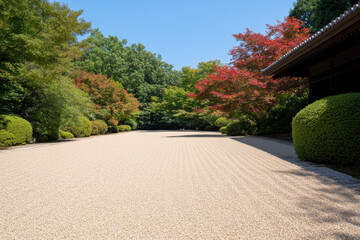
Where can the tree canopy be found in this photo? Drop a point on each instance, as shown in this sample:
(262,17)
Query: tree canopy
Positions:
(176,110)
(241,88)
(111,102)
(54,81)
(141,72)
(37,47)
(317,13)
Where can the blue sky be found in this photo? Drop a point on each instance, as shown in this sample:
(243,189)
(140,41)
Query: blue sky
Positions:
(184,32)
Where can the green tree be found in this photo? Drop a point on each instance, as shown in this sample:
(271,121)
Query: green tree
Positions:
(175,110)
(328,10)
(37,46)
(140,72)
(58,104)
(39,32)
(190,76)
(304,10)
(318,13)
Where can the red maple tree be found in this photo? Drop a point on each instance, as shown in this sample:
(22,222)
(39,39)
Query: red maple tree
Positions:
(112,102)
(241,87)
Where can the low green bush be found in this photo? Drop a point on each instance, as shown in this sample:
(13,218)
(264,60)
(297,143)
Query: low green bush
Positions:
(14,131)
(83,129)
(65,135)
(124,128)
(222,122)
(243,126)
(98,127)
(132,123)
(6,138)
(328,130)
(223,130)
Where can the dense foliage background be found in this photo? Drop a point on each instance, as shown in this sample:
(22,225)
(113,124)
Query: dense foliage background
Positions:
(317,13)
(55,82)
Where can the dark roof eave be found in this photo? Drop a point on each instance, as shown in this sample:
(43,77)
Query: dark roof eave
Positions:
(282,66)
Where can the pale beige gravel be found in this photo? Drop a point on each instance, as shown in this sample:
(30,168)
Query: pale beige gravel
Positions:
(171,185)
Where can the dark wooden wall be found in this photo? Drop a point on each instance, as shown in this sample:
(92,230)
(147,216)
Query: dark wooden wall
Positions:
(336,74)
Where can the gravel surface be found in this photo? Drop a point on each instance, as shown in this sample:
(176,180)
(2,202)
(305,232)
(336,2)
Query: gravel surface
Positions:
(172,185)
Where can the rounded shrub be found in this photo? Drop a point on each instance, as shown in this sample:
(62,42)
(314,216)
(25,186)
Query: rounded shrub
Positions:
(124,128)
(98,127)
(14,130)
(83,129)
(222,122)
(65,135)
(328,130)
(6,138)
(223,130)
(243,126)
(132,123)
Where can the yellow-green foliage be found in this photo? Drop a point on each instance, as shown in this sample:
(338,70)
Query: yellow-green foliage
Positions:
(222,122)
(6,138)
(98,127)
(83,129)
(223,130)
(65,135)
(124,128)
(14,130)
(328,130)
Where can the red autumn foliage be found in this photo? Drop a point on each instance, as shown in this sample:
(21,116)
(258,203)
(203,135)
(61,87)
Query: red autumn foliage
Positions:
(112,102)
(242,87)
(257,51)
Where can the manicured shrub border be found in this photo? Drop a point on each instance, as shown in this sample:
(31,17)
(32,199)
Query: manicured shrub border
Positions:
(14,130)
(83,129)
(98,127)
(328,130)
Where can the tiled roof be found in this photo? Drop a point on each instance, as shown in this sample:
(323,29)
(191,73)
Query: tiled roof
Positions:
(322,32)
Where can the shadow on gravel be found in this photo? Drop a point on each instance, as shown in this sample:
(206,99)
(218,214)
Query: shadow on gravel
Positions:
(327,198)
(285,150)
(40,144)
(346,236)
(328,188)
(330,202)
(52,142)
(276,147)
(198,136)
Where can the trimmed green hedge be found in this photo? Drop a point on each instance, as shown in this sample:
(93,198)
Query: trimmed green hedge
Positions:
(83,129)
(328,130)
(65,135)
(222,122)
(98,127)
(7,138)
(124,128)
(14,131)
(132,123)
(242,126)
(223,130)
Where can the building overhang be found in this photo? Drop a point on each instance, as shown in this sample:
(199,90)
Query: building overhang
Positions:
(333,38)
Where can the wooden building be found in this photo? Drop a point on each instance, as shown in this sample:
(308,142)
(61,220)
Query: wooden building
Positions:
(330,58)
